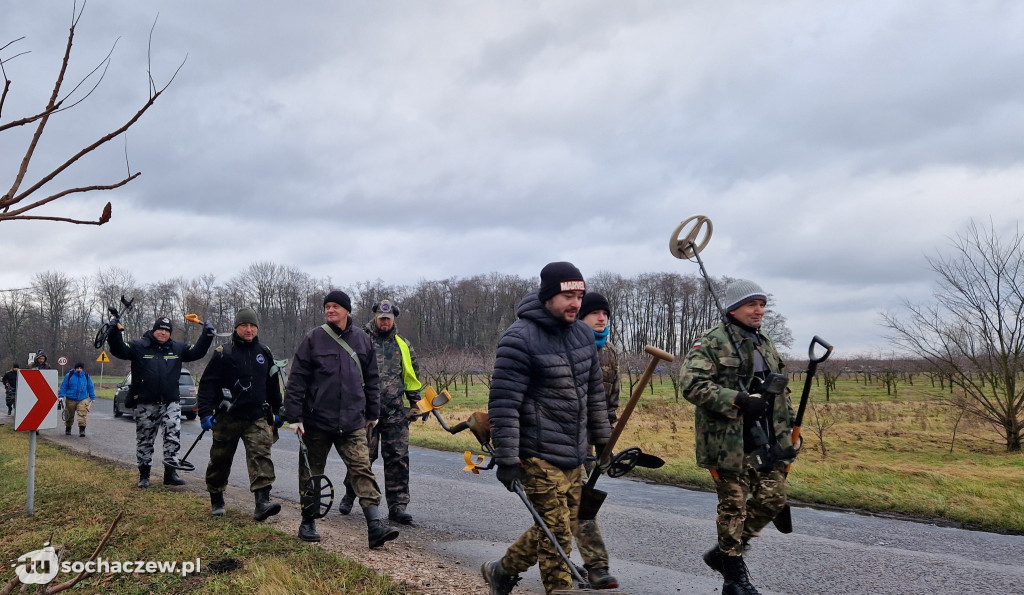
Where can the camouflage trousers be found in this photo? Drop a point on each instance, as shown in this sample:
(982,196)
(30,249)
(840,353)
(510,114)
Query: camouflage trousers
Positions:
(76,407)
(555,493)
(351,446)
(747,502)
(257,438)
(151,417)
(392,440)
(588,534)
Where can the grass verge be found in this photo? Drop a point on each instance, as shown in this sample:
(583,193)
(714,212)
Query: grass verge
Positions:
(76,499)
(882,454)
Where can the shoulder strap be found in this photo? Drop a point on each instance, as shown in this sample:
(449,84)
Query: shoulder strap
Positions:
(346,347)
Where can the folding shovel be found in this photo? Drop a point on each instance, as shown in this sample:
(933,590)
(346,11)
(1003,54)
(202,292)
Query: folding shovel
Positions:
(195,318)
(318,487)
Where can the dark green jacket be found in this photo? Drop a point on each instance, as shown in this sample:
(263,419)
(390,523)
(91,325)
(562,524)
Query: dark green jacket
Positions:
(711,379)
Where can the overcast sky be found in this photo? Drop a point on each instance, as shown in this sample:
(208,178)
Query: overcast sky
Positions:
(833,144)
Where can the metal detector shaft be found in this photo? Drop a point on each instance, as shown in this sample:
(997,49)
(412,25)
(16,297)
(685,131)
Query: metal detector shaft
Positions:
(183,464)
(551,536)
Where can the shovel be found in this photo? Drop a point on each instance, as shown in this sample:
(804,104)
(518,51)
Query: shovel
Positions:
(593,498)
(784,520)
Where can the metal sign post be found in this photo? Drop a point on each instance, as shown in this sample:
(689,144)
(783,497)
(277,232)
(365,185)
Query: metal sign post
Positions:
(35,409)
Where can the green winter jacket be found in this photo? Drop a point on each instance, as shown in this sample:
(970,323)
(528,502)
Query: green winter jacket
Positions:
(710,380)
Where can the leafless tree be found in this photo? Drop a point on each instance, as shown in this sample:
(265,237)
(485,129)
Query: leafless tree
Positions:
(974,331)
(822,418)
(22,198)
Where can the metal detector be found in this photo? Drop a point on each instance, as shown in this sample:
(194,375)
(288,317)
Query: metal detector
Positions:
(101,335)
(225,405)
(580,581)
(318,488)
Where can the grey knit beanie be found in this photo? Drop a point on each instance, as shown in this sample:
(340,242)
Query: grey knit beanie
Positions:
(740,292)
(246,315)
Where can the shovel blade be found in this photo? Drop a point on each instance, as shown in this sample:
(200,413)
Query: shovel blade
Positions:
(590,503)
(784,520)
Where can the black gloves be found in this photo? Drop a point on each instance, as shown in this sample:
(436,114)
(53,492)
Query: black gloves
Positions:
(751,404)
(209,329)
(509,473)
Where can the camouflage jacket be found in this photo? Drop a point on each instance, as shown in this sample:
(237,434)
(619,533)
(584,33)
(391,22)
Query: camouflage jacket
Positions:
(710,380)
(389,365)
(610,371)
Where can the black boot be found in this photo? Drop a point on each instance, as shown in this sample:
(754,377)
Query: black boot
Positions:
(497,578)
(143,476)
(307,530)
(217,503)
(345,504)
(600,578)
(81,431)
(714,558)
(264,507)
(171,477)
(377,530)
(67,430)
(397,513)
(737,581)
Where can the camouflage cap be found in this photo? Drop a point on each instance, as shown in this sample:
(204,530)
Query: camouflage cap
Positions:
(385,309)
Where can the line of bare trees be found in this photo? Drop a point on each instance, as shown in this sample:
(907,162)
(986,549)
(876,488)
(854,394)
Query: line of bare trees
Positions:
(60,313)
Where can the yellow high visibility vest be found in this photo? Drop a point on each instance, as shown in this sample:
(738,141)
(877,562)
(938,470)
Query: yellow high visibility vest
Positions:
(408,373)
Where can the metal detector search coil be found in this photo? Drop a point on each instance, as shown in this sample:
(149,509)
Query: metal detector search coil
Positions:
(686,247)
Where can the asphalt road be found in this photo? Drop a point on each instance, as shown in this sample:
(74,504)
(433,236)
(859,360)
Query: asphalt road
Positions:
(655,534)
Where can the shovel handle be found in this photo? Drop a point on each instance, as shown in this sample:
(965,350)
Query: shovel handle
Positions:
(657,356)
(193,318)
(810,350)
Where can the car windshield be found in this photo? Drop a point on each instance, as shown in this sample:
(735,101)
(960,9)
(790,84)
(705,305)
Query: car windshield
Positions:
(186,380)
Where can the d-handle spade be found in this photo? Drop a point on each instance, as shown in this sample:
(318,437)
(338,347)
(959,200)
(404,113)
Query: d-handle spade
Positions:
(687,246)
(318,491)
(582,582)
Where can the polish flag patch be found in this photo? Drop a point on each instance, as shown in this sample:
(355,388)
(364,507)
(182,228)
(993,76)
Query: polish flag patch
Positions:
(696,345)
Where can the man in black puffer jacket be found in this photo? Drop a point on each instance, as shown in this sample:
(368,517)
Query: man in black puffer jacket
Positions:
(156,365)
(245,368)
(546,408)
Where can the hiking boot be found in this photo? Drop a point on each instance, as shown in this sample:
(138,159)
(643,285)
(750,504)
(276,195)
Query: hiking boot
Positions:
(346,502)
(497,578)
(307,530)
(264,507)
(378,532)
(737,581)
(599,578)
(714,559)
(398,514)
(81,431)
(217,504)
(143,476)
(171,477)
(67,430)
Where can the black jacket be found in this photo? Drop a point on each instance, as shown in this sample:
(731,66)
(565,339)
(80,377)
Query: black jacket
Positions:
(325,389)
(155,366)
(547,398)
(243,367)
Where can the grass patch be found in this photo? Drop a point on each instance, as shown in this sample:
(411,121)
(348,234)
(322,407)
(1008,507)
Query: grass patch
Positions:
(884,454)
(76,499)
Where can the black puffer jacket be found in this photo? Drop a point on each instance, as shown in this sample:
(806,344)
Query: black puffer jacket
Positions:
(547,398)
(156,366)
(243,367)
(324,390)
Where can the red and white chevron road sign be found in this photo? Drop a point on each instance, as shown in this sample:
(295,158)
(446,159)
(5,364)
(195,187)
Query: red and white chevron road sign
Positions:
(36,401)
